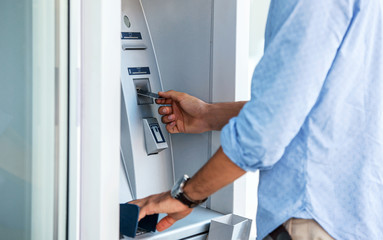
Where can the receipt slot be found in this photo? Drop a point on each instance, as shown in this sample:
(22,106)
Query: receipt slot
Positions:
(154,139)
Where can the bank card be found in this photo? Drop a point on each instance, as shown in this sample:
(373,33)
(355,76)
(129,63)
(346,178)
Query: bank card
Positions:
(148,94)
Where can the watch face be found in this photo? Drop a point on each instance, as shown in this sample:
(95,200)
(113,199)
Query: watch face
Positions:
(177,193)
(176,188)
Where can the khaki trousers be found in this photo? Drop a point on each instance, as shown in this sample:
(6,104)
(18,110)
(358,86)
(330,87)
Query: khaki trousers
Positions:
(304,229)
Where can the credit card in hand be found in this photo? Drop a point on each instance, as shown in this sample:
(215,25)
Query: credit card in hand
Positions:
(148,94)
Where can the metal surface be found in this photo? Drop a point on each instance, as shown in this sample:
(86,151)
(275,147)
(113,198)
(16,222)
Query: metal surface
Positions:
(100,119)
(230,82)
(198,237)
(181,33)
(180,41)
(231,227)
(154,140)
(125,181)
(149,174)
(61,120)
(194,224)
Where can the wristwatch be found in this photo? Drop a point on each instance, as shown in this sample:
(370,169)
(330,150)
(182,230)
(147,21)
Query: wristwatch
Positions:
(177,192)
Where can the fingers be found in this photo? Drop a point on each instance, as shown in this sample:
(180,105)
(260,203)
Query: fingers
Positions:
(164,101)
(165,110)
(165,98)
(165,223)
(172,128)
(145,209)
(162,203)
(168,118)
(170,121)
(142,214)
(141,203)
(172,95)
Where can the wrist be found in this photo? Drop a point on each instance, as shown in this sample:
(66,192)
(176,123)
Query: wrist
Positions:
(219,114)
(208,116)
(192,193)
(178,192)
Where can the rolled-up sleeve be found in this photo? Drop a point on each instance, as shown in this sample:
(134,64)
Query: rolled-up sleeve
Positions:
(302,40)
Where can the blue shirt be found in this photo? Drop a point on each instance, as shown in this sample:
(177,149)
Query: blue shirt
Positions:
(314,124)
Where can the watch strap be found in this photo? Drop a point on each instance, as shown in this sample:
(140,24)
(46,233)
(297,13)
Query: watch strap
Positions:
(182,197)
(187,201)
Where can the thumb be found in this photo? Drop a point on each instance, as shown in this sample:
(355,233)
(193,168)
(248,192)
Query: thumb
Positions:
(174,95)
(141,214)
(165,223)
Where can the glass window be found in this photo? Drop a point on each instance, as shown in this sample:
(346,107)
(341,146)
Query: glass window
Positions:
(33,89)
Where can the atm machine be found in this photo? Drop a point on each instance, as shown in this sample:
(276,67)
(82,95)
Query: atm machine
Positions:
(151,159)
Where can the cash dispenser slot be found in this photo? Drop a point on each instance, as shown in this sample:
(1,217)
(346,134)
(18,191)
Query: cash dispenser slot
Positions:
(133,47)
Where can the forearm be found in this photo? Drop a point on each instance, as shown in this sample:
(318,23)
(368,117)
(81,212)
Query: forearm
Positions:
(219,114)
(218,172)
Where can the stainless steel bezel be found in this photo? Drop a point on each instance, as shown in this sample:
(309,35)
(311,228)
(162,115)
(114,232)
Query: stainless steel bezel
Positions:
(178,186)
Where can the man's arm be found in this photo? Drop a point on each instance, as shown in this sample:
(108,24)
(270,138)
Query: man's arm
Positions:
(188,114)
(220,113)
(218,172)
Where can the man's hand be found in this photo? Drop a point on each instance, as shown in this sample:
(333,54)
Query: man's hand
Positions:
(218,172)
(162,203)
(186,114)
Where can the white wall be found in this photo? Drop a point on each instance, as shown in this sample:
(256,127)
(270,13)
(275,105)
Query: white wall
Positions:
(258,17)
(94,119)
